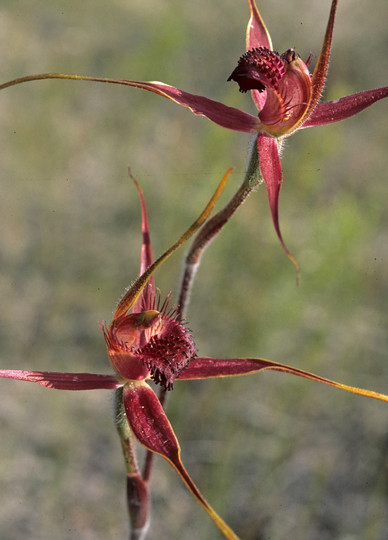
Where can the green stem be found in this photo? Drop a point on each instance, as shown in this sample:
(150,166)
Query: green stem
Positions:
(125,434)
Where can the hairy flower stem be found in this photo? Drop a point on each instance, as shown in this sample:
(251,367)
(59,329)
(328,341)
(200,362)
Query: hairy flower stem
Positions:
(125,434)
(212,227)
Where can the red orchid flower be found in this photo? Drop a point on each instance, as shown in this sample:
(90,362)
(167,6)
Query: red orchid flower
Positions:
(284,92)
(151,343)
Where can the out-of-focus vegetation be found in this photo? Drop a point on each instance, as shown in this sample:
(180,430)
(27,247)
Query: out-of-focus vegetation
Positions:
(276,456)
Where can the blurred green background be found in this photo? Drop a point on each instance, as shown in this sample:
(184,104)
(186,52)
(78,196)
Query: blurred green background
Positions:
(276,456)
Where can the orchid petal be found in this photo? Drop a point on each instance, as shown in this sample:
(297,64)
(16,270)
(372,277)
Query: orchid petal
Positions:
(134,292)
(64,381)
(206,367)
(340,109)
(224,116)
(320,71)
(151,427)
(271,171)
(257,36)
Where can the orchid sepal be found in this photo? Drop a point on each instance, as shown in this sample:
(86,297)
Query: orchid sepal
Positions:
(153,430)
(271,170)
(207,367)
(257,35)
(320,71)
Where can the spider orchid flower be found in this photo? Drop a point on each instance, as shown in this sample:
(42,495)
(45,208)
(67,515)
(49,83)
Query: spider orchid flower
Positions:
(286,97)
(151,343)
(284,92)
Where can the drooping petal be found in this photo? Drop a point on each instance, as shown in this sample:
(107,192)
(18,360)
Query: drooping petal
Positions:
(64,381)
(151,427)
(257,36)
(206,367)
(340,109)
(320,71)
(224,116)
(135,291)
(271,171)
